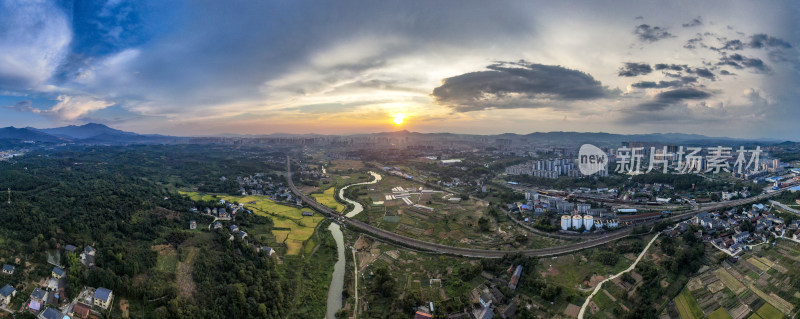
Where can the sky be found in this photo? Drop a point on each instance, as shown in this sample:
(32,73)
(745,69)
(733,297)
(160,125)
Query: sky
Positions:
(718,68)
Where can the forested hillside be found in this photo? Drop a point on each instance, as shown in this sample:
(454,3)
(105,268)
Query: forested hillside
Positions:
(124,202)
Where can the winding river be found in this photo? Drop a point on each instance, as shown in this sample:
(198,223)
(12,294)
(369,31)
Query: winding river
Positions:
(337,282)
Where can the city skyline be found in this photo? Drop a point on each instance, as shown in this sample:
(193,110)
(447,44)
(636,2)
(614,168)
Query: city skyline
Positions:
(206,68)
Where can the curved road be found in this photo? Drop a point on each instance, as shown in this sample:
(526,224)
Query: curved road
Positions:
(485,253)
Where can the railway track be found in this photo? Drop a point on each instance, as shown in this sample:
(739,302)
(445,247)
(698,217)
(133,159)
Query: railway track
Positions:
(422,245)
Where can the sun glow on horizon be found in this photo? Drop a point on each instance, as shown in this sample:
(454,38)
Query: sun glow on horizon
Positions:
(398,118)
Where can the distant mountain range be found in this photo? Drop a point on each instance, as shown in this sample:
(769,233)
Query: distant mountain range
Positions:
(84,131)
(93,133)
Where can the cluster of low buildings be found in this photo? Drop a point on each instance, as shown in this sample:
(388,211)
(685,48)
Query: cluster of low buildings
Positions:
(726,231)
(222,213)
(489,301)
(43,302)
(86,256)
(404,195)
(254,184)
(574,215)
(236,232)
(258,184)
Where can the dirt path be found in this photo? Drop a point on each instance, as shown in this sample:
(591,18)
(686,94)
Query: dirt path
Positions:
(600,285)
(183,275)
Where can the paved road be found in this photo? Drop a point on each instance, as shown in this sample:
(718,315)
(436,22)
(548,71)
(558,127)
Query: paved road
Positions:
(787,208)
(422,245)
(355,279)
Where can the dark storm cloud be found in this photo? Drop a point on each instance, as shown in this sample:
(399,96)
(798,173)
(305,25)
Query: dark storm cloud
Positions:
(635,69)
(702,72)
(759,41)
(733,45)
(671,67)
(648,33)
(694,42)
(726,72)
(695,22)
(682,81)
(741,62)
(656,85)
(517,85)
(671,97)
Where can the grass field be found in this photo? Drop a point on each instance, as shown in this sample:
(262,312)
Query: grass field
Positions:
(291,227)
(720,313)
(758,264)
(729,281)
(767,311)
(327,199)
(687,306)
(774,300)
(765,261)
(195,196)
(167,261)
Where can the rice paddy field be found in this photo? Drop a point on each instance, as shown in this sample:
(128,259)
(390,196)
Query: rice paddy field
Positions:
(327,198)
(290,226)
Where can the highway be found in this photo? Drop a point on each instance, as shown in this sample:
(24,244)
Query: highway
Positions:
(422,245)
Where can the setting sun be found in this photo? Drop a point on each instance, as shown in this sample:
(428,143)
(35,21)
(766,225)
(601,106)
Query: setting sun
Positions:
(398,118)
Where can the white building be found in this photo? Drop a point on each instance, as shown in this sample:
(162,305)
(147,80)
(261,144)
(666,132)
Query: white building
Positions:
(566,222)
(588,221)
(577,221)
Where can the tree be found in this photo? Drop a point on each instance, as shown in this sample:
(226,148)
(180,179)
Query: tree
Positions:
(75,274)
(747,226)
(483,224)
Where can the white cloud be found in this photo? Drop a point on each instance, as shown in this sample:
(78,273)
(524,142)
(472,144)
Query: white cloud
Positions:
(34,40)
(69,108)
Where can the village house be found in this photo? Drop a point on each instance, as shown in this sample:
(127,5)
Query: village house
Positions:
(217,225)
(234,228)
(508,311)
(70,248)
(192,224)
(58,272)
(741,237)
(6,293)
(268,251)
(89,250)
(8,269)
(102,297)
(81,310)
(50,313)
(38,299)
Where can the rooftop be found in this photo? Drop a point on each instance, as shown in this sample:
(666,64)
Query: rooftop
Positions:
(102,293)
(6,290)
